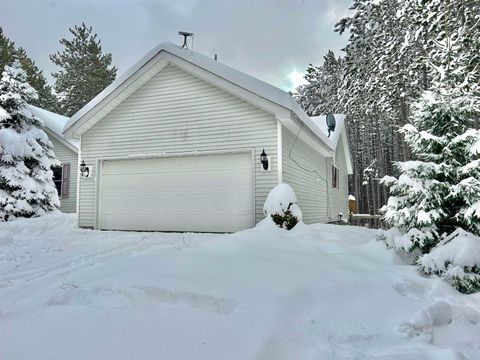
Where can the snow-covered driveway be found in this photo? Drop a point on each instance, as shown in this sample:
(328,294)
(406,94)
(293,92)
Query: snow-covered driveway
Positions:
(316,292)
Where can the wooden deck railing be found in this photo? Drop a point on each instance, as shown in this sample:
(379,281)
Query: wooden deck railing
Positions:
(367,220)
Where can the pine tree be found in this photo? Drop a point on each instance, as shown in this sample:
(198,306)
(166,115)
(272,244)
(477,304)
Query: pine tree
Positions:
(85,70)
(26,153)
(320,94)
(8,53)
(7,50)
(46,99)
(386,67)
(436,199)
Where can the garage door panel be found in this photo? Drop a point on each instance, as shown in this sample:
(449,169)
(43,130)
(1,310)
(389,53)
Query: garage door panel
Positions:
(174,223)
(176,201)
(190,193)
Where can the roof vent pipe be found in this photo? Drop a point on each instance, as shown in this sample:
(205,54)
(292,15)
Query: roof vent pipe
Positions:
(185,36)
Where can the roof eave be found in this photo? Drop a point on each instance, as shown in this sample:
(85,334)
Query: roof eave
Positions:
(61,139)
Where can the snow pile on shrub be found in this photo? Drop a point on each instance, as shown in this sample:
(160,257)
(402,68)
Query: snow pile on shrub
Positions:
(282,206)
(457,259)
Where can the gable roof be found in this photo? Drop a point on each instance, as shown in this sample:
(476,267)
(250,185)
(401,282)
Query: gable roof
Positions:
(238,78)
(55,123)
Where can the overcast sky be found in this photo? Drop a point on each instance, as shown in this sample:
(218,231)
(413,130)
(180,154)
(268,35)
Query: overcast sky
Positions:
(273,40)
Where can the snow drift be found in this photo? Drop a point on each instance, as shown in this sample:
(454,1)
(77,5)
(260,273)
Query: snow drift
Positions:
(315,292)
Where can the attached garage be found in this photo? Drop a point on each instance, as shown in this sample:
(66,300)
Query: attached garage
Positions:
(181,142)
(211,192)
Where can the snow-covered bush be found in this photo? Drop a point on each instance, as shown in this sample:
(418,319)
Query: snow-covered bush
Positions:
(26,153)
(282,206)
(457,259)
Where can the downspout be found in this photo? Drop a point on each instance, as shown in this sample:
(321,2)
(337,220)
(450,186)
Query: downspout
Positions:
(78,181)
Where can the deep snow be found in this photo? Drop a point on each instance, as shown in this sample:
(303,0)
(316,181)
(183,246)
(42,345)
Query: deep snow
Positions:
(316,292)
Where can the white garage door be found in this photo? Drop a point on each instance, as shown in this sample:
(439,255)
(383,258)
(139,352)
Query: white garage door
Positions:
(212,193)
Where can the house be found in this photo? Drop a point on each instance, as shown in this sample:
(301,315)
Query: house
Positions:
(175,144)
(66,150)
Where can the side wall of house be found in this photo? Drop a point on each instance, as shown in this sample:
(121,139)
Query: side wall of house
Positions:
(176,112)
(67,156)
(310,175)
(340,198)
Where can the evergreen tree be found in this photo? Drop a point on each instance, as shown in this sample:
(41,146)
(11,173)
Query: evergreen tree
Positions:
(436,199)
(8,53)
(387,65)
(85,70)
(320,94)
(26,153)
(7,50)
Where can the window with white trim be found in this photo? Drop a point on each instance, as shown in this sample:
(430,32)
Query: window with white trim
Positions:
(335,177)
(61,179)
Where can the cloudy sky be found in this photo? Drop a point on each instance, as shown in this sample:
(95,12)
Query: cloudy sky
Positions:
(273,40)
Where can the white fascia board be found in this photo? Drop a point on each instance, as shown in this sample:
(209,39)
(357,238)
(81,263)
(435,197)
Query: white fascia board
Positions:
(61,139)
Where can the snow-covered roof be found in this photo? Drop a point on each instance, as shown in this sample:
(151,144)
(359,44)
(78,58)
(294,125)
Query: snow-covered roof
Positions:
(321,122)
(55,123)
(245,81)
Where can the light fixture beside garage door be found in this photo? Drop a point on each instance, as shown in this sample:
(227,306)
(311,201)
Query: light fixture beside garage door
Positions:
(265,160)
(84,170)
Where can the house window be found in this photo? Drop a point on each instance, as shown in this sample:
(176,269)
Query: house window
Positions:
(335,177)
(61,177)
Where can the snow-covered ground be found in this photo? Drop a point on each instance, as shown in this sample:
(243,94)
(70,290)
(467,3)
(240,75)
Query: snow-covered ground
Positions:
(316,292)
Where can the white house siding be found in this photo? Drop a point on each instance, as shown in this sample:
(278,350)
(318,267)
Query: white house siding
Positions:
(308,178)
(309,174)
(66,156)
(176,112)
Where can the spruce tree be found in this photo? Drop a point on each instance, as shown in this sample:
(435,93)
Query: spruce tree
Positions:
(434,207)
(26,153)
(8,53)
(85,70)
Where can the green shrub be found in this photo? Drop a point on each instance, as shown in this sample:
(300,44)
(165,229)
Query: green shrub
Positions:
(285,220)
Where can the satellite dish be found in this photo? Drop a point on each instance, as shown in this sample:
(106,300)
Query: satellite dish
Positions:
(331,123)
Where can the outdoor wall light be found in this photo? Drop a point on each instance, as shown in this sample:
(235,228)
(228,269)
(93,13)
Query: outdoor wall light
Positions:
(84,170)
(264,160)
